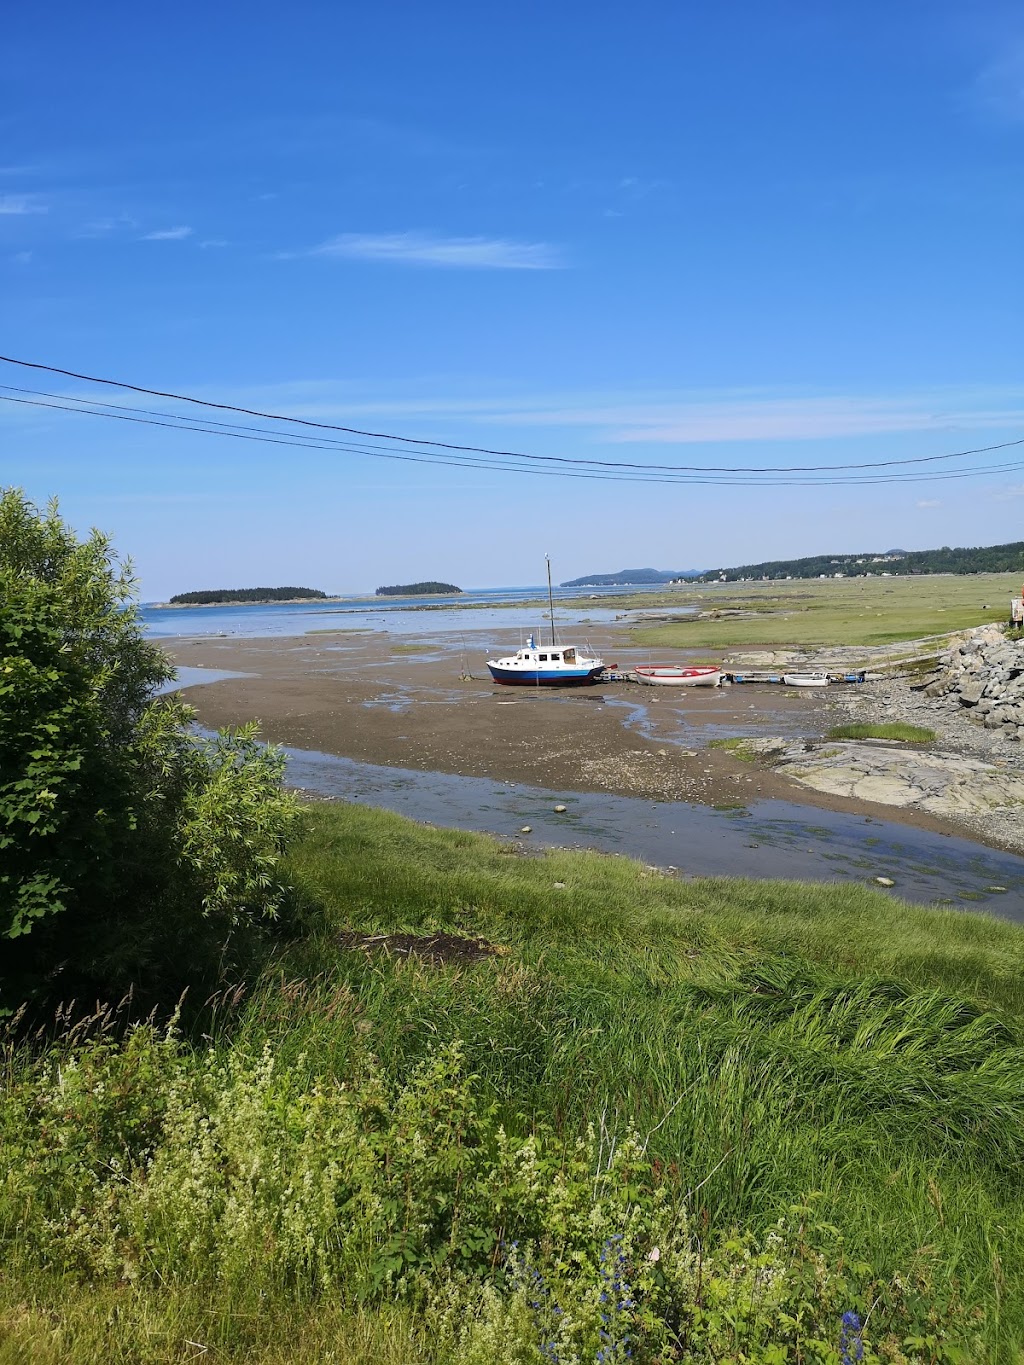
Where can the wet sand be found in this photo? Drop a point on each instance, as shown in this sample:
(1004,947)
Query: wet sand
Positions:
(427,702)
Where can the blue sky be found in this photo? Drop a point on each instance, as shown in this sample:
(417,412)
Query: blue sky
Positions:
(769,232)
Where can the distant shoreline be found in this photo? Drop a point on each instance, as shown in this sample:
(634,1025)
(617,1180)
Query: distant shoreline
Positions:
(348,597)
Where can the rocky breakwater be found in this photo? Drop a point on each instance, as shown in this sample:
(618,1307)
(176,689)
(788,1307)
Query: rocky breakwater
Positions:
(983,672)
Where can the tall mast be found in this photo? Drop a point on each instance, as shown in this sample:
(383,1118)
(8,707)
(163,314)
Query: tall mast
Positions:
(551,600)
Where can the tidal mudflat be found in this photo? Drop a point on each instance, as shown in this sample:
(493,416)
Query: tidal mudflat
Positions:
(424,704)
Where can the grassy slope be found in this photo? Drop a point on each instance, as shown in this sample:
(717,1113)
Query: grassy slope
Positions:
(773,1040)
(870,611)
(820,1035)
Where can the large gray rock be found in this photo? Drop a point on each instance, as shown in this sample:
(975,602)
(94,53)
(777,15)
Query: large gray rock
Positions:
(970,693)
(944,784)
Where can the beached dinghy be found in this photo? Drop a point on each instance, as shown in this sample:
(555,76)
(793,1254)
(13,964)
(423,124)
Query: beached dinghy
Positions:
(669,675)
(806,679)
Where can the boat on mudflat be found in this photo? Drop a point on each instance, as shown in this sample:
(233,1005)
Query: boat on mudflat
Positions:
(547,666)
(671,675)
(806,679)
(552,665)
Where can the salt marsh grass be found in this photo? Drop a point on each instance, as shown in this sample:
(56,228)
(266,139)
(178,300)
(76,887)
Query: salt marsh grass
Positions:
(749,1108)
(850,611)
(907,734)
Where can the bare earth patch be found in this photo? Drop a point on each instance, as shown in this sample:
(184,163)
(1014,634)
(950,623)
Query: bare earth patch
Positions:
(436,949)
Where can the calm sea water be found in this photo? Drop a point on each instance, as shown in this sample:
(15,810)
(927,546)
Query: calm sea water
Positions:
(402,615)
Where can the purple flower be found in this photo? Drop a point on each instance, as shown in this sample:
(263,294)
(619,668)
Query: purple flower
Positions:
(851,1346)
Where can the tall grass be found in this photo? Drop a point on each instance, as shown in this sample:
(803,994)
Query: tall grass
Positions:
(805,1100)
(907,734)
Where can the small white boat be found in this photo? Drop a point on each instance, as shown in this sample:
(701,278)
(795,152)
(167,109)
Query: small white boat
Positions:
(805,679)
(671,675)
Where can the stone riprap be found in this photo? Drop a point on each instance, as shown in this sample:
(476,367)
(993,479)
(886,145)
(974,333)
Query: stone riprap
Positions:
(934,701)
(983,672)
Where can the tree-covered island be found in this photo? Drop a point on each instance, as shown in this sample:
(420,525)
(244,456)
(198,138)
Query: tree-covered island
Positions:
(418,589)
(214,596)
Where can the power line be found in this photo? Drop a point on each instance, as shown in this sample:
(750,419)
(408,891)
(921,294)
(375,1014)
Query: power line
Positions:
(172,422)
(509,454)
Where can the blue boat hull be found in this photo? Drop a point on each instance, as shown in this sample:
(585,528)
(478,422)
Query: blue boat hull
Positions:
(564,677)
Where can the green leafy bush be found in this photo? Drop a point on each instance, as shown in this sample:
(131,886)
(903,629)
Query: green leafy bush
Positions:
(130,851)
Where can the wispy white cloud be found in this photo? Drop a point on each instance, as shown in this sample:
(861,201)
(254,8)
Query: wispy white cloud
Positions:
(801,419)
(213,241)
(19,204)
(424,248)
(961,418)
(956,419)
(21,257)
(929,502)
(174,234)
(1013,490)
(103,227)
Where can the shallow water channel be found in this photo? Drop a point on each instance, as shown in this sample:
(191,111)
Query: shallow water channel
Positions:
(765,839)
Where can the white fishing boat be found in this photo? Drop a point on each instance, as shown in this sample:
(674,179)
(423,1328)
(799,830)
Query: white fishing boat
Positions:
(554,665)
(805,679)
(671,675)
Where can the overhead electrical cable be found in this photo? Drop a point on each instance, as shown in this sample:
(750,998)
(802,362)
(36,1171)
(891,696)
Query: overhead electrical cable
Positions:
(449,446)
(173,422)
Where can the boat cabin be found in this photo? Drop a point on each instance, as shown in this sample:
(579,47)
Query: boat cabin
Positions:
(554,654)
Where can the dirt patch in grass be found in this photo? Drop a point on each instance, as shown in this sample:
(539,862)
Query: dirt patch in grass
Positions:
(436,949)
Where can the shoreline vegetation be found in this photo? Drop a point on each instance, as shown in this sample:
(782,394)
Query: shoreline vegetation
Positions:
(473,1097)
(1008,558)
(963,560)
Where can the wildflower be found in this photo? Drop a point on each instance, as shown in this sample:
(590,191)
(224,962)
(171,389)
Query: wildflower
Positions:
(654,1255)
(851,1346)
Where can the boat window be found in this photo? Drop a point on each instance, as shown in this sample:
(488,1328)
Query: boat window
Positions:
(570,656)
(543,658)
(556,658)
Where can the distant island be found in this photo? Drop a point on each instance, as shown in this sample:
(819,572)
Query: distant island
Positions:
(887,563)
(627,576)
(418,589)
(221,595)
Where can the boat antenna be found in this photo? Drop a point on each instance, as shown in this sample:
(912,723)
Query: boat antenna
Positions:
(551,600)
